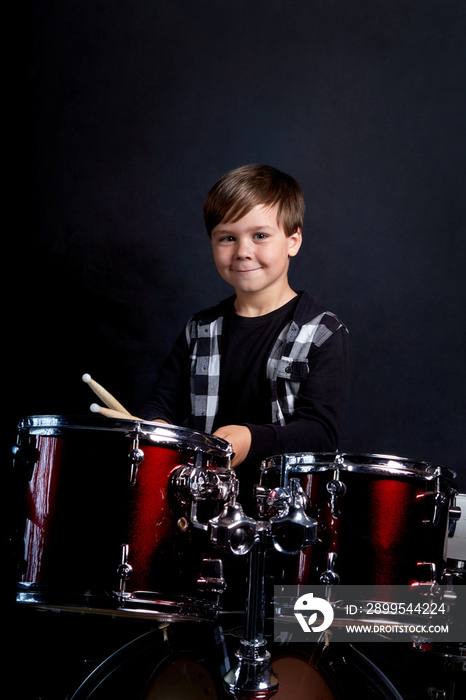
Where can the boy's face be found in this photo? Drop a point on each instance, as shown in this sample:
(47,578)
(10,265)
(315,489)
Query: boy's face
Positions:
(252,254)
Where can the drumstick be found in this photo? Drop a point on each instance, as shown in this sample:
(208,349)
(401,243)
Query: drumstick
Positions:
(112,413)
(104,395)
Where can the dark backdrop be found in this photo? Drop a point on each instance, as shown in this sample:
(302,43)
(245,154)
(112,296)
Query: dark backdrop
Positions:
(130,111)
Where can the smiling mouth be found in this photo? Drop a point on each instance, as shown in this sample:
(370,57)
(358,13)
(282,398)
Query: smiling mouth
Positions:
(252,269)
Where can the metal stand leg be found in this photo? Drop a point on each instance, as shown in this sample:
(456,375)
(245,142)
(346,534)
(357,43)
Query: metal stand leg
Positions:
(253,678)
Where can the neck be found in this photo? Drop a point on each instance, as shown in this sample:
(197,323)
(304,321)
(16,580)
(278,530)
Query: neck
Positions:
(261,303)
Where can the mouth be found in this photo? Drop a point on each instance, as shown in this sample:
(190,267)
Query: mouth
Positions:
(244,272)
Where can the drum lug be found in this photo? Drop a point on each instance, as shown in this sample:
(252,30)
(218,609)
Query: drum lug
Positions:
(330,577)
(124,571)
(439,500)
(25,458)
(454,514)
(336,489)
(135,456)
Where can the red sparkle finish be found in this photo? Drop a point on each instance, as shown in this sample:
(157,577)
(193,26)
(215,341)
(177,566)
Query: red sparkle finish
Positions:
(382,530)
(81,507)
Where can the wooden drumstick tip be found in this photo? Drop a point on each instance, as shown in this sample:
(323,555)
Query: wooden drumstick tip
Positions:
(104,395)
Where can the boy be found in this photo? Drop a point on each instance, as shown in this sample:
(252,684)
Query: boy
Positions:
(268,368)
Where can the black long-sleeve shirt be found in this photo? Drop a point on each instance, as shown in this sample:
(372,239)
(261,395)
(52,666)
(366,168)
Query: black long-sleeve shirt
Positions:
(244,388)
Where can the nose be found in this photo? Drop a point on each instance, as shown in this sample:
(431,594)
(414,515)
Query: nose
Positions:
(243,248)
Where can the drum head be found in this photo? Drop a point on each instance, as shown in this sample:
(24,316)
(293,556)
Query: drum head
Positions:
(156,433)
(181,678)
(189,663)
(299,680)
(374,464)
(175,661)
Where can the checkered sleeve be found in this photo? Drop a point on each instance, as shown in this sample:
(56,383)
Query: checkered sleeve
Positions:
(204,342)
(289,361)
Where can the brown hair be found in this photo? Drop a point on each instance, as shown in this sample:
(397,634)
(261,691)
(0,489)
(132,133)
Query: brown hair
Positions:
(237,192)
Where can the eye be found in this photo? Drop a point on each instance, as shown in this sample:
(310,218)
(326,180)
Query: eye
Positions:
(261,236)
(225,239)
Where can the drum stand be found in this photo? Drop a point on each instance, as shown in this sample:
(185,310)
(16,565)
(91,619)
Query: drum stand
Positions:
(289,531)
(253,678)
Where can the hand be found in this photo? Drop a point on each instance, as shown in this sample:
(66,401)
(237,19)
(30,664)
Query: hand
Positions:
(239,436)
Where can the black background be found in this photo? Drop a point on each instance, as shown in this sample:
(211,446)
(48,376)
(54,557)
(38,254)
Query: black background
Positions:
(129,111)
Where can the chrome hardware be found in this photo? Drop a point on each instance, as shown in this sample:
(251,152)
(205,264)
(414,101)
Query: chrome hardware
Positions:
(339,460)
(261,494)
(277,501)
(336,489)
(330,577)
(454,514)
(211,578)
(439,500)
(436,694)
(233,529)
(195,522)
(271,501)
(293,530)
(135,456)
(124,570)
(254,676)
(182,524)
(191,484)
(431,579)
(201,484)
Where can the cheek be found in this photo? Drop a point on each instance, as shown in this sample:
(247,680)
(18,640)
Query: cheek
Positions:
(221,260)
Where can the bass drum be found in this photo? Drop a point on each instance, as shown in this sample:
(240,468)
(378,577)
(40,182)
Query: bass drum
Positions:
(176,660)
(185,661)
(334,672)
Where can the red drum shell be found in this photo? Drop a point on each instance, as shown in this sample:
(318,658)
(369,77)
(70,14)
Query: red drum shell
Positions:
(81,507)
(388,527)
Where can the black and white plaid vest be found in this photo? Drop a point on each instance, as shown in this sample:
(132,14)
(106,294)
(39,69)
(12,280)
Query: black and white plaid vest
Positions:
(287,365)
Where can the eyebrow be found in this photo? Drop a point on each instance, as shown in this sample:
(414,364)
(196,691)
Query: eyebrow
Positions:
(251,229)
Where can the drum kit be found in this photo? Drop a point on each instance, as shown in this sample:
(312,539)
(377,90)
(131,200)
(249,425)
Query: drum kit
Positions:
(128,518)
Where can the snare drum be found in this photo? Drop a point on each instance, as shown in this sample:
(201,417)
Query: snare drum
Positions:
(381,520)
(103,526)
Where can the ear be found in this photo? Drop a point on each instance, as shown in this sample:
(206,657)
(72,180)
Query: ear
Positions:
(294,243)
